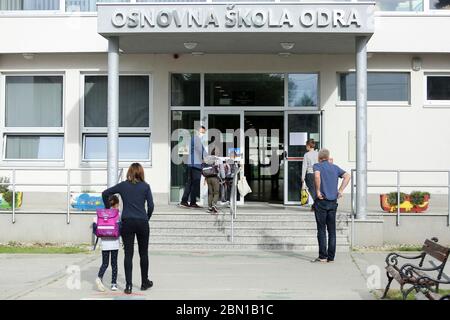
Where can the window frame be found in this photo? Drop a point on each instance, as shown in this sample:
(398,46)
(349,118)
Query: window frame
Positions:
(371,103)
(130,131)
(31,131)
(434,103)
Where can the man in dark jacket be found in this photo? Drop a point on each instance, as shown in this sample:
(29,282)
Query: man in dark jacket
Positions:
(194,170)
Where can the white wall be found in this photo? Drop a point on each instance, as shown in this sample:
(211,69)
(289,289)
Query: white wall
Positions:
(394,32)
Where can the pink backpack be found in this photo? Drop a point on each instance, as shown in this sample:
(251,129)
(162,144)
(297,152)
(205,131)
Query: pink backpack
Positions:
(108,223)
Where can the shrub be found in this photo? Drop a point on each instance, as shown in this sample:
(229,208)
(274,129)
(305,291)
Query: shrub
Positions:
(393,197)
(418,197)
(7,194)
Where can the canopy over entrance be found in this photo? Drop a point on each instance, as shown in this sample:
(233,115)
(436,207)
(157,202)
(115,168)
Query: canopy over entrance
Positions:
(332,27)
(236,28)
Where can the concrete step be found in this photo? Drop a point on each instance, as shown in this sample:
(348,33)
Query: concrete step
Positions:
(239,231)
(245,247)
(219,225)
(240,217)
(257,239)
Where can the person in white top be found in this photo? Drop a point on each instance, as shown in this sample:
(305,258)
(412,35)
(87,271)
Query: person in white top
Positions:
(110,247)
(311,157)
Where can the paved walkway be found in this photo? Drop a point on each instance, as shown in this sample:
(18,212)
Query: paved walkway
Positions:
(194,275)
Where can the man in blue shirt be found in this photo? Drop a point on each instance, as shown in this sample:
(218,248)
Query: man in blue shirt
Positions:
(326,177)
(197,154)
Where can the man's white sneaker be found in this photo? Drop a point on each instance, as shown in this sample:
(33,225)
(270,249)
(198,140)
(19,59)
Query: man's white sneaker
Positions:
(114,287)
(100,285)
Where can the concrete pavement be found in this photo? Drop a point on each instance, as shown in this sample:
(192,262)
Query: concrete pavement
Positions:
(195,275)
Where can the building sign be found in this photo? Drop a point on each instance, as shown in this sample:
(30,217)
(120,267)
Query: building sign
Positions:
(351,17)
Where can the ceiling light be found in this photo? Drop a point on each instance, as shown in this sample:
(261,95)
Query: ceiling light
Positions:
(287,45)
(190,45)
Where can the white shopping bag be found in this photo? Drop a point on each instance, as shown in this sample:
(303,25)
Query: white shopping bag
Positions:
(243,187)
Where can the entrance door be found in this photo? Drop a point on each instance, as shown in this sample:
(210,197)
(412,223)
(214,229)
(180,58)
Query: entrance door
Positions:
(226,127)
(264,147)
(299,127)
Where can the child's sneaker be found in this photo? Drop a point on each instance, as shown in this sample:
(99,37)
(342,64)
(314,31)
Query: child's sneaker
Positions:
(100,285)
(114,287)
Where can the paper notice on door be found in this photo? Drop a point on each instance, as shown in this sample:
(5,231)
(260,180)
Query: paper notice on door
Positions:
(298,138)
(315,136)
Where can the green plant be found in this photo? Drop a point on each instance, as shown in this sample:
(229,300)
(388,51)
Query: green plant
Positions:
(393,198)
(7,194)
(4,184)
(418,197)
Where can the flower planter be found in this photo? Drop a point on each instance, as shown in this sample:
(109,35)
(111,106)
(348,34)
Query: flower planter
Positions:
(86,201)
(4,205)
(405,206)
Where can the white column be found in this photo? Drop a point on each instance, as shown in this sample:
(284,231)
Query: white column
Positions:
(361,127)
(113,110)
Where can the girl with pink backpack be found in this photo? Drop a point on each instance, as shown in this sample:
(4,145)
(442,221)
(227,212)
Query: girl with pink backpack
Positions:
(110,248)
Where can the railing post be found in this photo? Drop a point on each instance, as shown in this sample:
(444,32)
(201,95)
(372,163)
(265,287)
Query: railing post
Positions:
(14,196)
(352,210)
(448,201)
(68,196)
(398,198)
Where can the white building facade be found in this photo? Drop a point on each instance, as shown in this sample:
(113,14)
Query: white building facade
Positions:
(54,90)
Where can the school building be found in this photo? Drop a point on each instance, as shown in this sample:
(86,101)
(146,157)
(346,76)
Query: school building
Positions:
(88,87)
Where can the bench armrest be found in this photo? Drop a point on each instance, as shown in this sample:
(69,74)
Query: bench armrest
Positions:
(407,271)
(392,258)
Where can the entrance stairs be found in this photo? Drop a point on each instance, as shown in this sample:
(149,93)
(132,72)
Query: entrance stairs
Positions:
(256,227)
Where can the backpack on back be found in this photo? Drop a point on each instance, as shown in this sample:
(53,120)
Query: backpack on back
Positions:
(210,170)
(108,223)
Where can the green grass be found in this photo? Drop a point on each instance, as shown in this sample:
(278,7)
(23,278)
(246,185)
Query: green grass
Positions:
(39,248)
(399,248)
(395,294)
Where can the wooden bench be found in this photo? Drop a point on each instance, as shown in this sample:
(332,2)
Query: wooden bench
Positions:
(425,292)
(417,276)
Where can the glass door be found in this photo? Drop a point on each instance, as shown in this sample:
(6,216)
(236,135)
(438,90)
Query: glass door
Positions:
(225,135)
(299,127)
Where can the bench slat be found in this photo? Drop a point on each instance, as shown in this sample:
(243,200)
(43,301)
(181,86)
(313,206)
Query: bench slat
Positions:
(435,250)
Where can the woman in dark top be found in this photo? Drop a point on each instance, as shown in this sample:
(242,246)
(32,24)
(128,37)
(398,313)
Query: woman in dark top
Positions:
(134,193)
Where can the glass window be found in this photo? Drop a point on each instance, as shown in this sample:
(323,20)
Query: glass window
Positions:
(11,5)
(381,86)
(34,101)
(133,148)
(133,101)
(439,4)
(303,90)
(399,5)
(234,89)
(185,90)
(25,147)
(438,88)
(86,5)
(183,124)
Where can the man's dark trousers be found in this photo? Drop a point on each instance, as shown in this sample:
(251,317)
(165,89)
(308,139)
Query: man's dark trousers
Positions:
(325,211)
(192,188)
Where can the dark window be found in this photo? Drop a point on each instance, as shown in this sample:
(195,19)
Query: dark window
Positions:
(438,88)
(234,89)
(381,86)
(133,101)
(185,90)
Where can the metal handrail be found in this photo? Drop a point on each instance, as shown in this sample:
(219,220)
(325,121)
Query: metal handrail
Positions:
(68,184)
(233,200)
(398,185)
